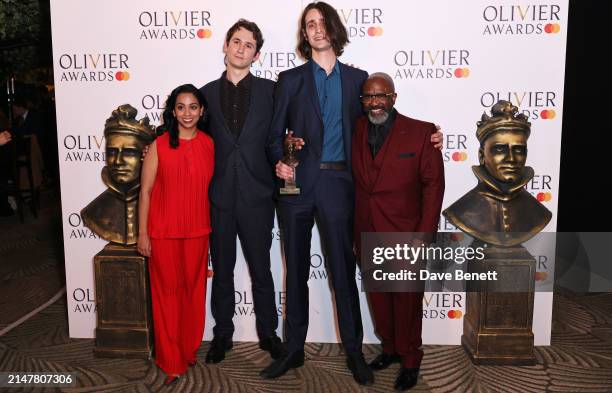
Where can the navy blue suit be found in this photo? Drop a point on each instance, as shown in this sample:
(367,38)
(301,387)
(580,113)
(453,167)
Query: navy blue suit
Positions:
(327,195)
(242,204)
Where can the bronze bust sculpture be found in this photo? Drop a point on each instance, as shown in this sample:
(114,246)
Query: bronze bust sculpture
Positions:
(497,328)
(499,210)
(113,215)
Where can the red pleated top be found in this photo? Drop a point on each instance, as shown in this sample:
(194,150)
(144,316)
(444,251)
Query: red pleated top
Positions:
(179,199)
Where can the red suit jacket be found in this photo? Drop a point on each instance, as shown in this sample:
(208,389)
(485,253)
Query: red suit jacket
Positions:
(401,190)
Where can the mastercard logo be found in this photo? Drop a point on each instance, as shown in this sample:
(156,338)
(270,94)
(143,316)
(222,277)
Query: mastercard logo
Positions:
(210,273)
(456,237)
(454,314)
(375,31)
(462,72)
(459,156)
(544,196)
(548,114)
(552,28)
(204,33)
(122,75)
(541,276)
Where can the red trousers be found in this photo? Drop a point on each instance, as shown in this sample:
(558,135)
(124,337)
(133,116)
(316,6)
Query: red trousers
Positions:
(398,322)
(178,268)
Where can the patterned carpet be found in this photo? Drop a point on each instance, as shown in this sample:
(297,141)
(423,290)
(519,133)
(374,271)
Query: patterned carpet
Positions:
(31,272)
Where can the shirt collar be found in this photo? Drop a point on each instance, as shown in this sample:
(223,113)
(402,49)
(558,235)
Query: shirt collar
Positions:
(244,82)
(316,67)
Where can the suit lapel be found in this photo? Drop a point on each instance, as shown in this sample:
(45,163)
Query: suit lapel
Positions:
(311,89)
(345,86)
(365,162)
(348,96)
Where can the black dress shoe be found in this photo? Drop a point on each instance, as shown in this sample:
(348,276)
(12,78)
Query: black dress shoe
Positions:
(361,372)
(383,361)
(170,379)
(218,347)
(274,345)
(407,378)
(283,364)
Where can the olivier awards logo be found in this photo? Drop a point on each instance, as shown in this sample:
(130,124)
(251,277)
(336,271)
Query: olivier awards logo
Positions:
(152,105)
(174,25)
(362,22)
(521,19)
(93,67)
(540,186)
(244,306)
(431,64)
(455,148)
(85,300)
(318,270)
(76,228)
(542,266)
(270,64)
(84,148)
(536,105)
(443,305)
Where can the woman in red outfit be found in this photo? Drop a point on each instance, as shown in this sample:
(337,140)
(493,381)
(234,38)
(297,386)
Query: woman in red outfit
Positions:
(174,224)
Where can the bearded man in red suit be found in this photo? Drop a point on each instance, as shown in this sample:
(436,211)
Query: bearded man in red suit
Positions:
(399,187)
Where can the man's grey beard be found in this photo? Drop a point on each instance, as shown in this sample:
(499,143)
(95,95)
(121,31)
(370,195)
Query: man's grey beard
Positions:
(378,120)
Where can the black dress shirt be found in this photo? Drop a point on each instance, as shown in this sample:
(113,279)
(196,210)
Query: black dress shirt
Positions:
(235,101)
(377,133)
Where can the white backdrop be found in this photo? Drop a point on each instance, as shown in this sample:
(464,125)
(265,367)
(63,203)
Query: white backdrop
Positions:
(450,61)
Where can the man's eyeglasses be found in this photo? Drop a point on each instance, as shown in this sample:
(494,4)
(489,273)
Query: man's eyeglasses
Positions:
(370,97)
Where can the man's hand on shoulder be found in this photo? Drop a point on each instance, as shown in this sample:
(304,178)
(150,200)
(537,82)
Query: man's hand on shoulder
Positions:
(437,138)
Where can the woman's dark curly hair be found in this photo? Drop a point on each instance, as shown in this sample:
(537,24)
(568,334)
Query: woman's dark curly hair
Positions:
(170,124)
